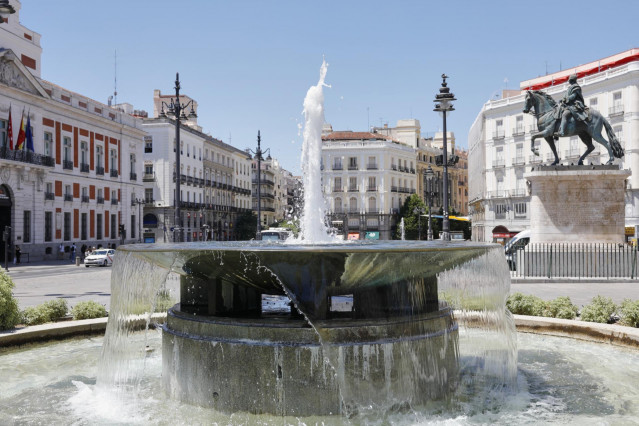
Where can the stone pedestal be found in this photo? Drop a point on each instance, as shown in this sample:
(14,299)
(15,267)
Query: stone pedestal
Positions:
(582,204)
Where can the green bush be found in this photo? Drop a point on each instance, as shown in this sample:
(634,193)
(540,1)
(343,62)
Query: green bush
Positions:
(88,310)
(599,310)
(560,307)
(9,311)
(630,312)
(51,310)
(524,304)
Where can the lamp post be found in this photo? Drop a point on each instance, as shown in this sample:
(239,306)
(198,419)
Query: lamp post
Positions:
(429,188)
(5,10)
(176,109)
(444,104)
(139,202)
(258,154)
(419,211)
(6,237)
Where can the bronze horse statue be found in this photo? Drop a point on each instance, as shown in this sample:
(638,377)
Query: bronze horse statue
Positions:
(544,110)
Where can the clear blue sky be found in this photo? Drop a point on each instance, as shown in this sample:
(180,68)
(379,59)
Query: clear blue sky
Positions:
(250,63)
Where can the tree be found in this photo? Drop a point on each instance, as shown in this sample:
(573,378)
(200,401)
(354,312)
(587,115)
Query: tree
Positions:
(246,226)
(412,220)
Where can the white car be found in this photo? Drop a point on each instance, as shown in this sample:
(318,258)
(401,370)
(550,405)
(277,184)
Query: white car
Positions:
(101,257)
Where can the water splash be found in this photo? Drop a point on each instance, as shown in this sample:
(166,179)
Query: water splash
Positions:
(402,230)
(313,219)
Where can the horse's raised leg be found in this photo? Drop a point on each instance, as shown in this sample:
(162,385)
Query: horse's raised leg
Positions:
(553,148)
(585,138)
(532,142)
(599,138)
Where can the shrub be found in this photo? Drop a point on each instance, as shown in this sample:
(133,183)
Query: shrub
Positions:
(630,312)
(9,311)
(88,310)
(599,310)
(524,304)
(51,310)
(560,307)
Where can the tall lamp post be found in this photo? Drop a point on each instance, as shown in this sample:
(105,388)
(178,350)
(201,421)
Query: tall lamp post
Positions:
(444,104)
(258,154)
(429,188)
(175,109)
(139,202)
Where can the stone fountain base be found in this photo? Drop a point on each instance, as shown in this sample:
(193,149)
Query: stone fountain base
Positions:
(276,364)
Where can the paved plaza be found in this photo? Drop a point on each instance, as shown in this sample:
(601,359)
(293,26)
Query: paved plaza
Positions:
(41,281)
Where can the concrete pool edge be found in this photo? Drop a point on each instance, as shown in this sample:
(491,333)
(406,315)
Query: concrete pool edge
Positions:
(614,334)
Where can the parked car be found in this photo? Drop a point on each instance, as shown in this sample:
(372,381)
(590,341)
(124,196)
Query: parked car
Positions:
(101,257)
(518,242)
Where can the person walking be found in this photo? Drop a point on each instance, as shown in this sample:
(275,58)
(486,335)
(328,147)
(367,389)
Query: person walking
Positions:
(60,252)
(83,251)
(72,253)
(18,254)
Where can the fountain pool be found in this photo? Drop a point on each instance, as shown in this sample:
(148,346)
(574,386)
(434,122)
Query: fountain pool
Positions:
(557,382)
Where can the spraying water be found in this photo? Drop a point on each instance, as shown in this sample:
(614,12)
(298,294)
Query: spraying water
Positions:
(313,220)
(401,229)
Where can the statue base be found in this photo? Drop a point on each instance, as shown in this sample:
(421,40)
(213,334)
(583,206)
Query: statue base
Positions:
(577,204)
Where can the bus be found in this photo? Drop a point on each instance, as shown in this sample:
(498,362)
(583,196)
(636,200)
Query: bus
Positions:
(275,234)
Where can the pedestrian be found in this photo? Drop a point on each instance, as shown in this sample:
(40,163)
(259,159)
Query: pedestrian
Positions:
(18,253)
(72,252)
(83,250)
(61,252)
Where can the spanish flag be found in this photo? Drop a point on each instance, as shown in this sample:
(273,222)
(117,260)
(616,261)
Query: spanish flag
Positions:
(21,134)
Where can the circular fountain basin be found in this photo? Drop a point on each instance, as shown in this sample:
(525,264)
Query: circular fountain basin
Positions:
(397,345)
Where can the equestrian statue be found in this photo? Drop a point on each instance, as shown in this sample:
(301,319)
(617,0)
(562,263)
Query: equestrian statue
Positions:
(568,118)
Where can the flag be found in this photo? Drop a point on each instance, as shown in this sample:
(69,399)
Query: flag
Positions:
(10,130)
(29,135)
(21,134)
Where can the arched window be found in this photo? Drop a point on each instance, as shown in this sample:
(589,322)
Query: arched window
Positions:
(353,205)
(338,205)
(372,205)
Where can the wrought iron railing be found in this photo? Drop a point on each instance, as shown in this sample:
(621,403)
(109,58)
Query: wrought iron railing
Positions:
(26,157)
(575,260)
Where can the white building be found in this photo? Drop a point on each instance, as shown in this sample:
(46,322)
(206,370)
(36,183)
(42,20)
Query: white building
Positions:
(214,185)
(74,186)
(499,143)
(274,197)
(366,179)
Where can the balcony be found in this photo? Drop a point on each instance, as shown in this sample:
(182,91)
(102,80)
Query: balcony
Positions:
(84,167)
(100,200)
(85,199)
(353,167)
(338,189)
(114,201)
(353,189)
(550,156)
(373,211)
(99,171)
(571,153)
(412,171)
(534,159)
(113,173)
(499,163)
(338,167)
(149,201)
(393,189)
(371,167)
(67,165)
(615,110)
(500,193)
(519,192)
(532,129)
(394,167)
(189,180)
(49,196)
(518,131)
(26,157)
(371,188)
(148,177)
(519,160)
(499,134)
(133,176)
(68,197)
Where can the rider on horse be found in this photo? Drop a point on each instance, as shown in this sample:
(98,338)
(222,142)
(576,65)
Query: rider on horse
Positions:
(572,103)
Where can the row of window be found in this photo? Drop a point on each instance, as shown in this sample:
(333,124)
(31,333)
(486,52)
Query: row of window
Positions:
(64,222)
(371,164)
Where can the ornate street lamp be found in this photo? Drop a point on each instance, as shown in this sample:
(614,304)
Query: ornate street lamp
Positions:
(444,104)
(175,109)
(429,185)
(5,10)
(258,154)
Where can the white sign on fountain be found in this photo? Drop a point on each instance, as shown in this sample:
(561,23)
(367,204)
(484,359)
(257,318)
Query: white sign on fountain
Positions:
(313,220)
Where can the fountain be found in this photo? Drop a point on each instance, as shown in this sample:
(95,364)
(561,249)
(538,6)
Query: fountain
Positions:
(309,329)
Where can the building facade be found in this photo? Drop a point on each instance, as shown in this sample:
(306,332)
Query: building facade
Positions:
(214,180)
(72,182)
(366,179)
(274,191)
(499,143)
